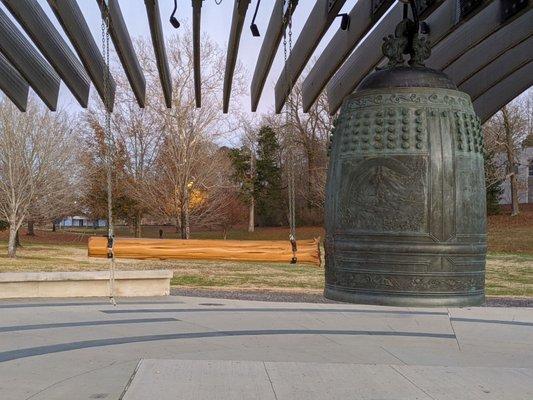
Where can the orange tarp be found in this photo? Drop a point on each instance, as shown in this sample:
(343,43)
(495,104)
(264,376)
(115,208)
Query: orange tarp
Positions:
(229,250)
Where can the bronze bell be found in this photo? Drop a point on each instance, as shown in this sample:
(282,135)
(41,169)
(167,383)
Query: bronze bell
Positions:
(405,197)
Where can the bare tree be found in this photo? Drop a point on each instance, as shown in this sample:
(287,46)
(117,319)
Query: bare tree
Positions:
(139,132)
(36,163)
(504,133)
(246,172)
(304,138)
(188,163)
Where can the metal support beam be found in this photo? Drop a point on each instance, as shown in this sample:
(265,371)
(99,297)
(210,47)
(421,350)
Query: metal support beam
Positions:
(196,40)
(273,36)
(49,41)
(467,35)
(124,47)
(498,69)
(237,21)
(322,16)
(502,93)
(367,55)
(338,49)
(362,18)
(489,49)
(73,23)
(28,62)
(158,41)
(13,84)
(362,60)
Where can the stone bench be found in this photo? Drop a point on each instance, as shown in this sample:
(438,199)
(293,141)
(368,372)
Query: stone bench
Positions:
(84,284)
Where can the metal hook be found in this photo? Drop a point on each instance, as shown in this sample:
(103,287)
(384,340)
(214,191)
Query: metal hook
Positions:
(345,21)
(253,26)
(173,20)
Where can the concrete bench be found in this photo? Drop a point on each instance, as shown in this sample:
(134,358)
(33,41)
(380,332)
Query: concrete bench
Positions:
(84,284)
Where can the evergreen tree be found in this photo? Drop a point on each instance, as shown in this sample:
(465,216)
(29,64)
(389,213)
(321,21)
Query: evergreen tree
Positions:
(493,183)
(242,172)
(268,193)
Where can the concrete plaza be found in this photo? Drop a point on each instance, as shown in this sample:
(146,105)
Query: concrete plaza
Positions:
(196,348)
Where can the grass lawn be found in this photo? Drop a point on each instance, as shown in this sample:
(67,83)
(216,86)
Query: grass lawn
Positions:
(507,275)
(509,262)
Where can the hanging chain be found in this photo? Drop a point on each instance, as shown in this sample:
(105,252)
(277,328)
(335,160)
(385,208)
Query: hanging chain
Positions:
(109,143)
(287,34)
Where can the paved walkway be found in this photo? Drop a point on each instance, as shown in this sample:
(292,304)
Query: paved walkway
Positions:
(195,348)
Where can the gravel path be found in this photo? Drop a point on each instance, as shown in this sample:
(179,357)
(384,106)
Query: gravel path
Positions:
(264,295)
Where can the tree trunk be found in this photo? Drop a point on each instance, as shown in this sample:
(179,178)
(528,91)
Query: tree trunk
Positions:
(31,230)
(184,214)
(251,218)
(12,242)
(184,226)
(53,226)
(225,232)
(514,195)
(511,162)
(138,220)
(17,239)
(310,177)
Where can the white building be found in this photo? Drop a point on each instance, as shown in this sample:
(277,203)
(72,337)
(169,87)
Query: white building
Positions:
(81,221)
(525,176)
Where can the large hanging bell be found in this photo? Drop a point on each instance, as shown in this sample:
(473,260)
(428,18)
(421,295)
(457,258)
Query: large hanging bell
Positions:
(405,197)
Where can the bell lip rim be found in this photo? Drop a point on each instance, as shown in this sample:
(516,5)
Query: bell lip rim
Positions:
(406,299)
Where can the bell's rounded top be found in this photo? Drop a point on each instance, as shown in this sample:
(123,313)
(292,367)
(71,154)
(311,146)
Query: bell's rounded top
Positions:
(405,76)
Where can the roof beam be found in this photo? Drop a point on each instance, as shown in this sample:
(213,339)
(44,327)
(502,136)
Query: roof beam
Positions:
(237,21)
(273,35)
(48,40)
(28,62)
(491,74)
(363,16)
(503,92)
(467,35)
(158,42)
(124,47)
(492,47)
(322,16)
(196,37)
(337,50)
(73,23)
(368,54)
(13,84)
(362,60)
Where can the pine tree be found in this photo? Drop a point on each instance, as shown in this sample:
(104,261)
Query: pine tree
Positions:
(269,198)
(493,184)
(242,175)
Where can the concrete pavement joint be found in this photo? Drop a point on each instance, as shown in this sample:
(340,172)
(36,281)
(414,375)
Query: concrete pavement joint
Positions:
(261,309)
(453,329)
(72,377)
(394,355)
(412,383)
(128,383)
(270,380)
(84,323)
(62,347)
(492,321)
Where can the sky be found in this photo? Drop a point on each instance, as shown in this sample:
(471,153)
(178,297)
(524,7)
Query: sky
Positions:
(216,20)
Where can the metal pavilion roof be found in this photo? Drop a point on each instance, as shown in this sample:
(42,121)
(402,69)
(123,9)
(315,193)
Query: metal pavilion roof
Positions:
(485,46)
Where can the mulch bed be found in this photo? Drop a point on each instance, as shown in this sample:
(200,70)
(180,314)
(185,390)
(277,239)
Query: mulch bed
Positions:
(288,297)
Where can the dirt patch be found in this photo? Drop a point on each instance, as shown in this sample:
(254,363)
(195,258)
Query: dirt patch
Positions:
(508,234)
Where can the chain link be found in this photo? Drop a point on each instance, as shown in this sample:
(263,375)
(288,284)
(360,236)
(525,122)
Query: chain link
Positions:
(289,108)
(109,145)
